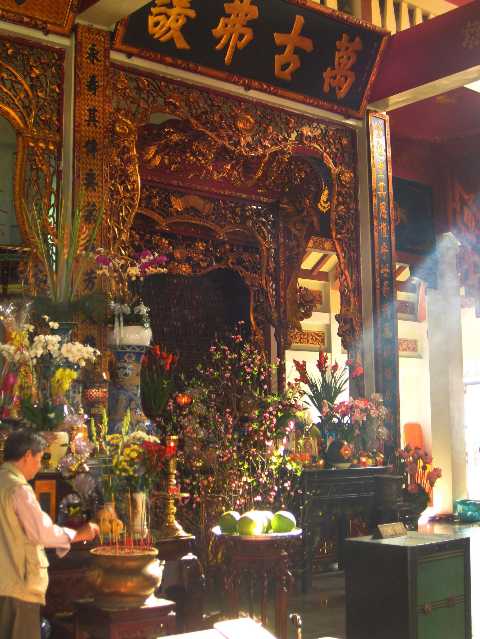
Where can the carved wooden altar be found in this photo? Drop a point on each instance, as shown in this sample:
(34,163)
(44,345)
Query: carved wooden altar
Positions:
(250,183)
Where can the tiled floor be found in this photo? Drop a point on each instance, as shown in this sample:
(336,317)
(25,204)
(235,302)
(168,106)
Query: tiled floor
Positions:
(323,608)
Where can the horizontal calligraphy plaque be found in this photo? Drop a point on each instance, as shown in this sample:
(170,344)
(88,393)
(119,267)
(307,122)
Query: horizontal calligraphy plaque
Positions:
(292,48)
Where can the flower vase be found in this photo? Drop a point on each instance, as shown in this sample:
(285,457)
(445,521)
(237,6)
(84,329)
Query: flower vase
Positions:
(124,389)
(57,445)
(138,515)
(415,504)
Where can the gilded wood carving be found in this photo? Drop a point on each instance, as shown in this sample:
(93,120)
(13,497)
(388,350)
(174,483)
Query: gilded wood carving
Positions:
(385,306)
(31,79)
(229,235)
(267,143)
(46,15)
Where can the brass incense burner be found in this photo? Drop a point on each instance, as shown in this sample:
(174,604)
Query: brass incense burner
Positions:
(124,577)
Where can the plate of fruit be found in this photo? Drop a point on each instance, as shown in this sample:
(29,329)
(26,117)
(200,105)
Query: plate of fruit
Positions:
(257,524)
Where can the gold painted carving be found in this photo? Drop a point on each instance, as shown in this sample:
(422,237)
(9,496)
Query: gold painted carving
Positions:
(260,143)
(30,99)
(47,15)
(123,182)
(308,338)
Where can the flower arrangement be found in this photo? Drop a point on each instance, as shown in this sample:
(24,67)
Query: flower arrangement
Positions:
(323,392)
(62,243)
(122,269)
(352,417)
(419,476)
(37,373)
(231,456)
(156,380)
(137,458)
(357,421)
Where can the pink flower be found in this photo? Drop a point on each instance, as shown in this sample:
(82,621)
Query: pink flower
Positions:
(412,468)
(433,475)
(427,459)
(413,489)
(103,260)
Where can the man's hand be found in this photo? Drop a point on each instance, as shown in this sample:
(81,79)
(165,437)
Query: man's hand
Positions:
(87,532)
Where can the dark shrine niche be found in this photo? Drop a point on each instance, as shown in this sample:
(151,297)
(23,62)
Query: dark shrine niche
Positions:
(188,312)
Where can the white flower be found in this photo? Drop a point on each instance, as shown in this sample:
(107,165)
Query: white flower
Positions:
(54,325)
(141,309)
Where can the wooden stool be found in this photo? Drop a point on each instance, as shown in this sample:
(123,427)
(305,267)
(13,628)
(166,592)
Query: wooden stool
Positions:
(262,557)
(156,618)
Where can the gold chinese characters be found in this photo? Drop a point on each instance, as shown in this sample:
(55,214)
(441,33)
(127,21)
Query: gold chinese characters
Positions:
(291,41)
(233,28)
(166,22)
(167,19)
(342,77)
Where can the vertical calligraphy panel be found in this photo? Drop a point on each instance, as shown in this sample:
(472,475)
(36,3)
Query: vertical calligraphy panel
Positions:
(92,60)
(92,109)
(383,237)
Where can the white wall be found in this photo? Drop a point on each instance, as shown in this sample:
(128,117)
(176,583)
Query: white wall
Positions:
(414,382)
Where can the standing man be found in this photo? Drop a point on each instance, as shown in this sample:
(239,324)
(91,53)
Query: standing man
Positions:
(24,532)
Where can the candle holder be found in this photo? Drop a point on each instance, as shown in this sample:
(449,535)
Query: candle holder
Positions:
(171,528)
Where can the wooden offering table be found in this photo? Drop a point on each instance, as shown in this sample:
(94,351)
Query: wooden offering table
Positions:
(260,557)
(156,618)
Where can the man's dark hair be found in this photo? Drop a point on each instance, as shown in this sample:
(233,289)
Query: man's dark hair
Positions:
(20,441)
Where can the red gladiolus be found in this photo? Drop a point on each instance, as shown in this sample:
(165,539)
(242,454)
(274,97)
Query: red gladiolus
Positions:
(322,362)
(9,382)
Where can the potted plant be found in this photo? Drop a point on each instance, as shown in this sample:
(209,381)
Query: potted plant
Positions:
(121,272)
(419,478)
(131,324)
(44,366)
(63,248)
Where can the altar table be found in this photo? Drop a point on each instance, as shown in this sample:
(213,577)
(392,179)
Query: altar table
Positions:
(261,557)
(326,495)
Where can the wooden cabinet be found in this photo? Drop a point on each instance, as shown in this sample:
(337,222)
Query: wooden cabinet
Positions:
(411,587)
(330,498)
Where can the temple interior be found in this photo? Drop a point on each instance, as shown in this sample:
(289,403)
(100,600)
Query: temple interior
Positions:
(240,317)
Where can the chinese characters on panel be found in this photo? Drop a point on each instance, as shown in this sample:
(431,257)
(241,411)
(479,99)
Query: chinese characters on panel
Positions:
(236,30)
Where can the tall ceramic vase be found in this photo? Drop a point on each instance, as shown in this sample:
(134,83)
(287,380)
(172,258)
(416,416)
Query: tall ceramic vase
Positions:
(124,390)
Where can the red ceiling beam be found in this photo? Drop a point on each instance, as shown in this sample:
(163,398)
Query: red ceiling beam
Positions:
(443,46)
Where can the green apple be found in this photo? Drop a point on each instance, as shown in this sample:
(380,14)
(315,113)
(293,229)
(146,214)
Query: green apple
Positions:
(251,523)
(283,522)
(228,522)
